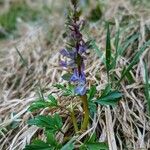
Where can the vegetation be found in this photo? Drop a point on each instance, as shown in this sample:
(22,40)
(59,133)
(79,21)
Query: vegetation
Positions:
(83,86)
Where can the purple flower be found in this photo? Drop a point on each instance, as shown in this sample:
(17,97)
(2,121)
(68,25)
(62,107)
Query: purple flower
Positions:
(82,49)
(68,53)
(80,79)
(80,89)
(75,52)
(63,64)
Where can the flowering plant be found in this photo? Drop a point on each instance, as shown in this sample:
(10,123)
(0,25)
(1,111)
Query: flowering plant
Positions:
(75,52)
(74,56)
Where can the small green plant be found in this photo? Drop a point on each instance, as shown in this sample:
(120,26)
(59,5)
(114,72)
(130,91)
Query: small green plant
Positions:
(74,56)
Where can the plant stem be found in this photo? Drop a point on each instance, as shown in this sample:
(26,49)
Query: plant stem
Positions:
(86,112)
(74,121)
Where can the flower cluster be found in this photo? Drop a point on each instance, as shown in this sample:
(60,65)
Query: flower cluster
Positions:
(76,51)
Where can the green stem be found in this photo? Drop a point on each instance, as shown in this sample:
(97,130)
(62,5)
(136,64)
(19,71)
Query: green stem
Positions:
(74,121)
(86,112)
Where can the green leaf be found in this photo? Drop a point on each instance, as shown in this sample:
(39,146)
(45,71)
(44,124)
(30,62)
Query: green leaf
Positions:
(116,43)
(38,145)
(38,105)
(50,139)
(97,146)
(93,144)
(68,146)
(67,91)
(129,78)
(147,87)
(50,123)
(51,102)
(106,90)
(95,14)
(60,86)
(108,51)
(111,98)
(92,92)
(92,106)
(67,76)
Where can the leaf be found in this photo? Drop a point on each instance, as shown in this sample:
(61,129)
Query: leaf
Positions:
(116,43)
(68,146)
(67,76)
(38,105)
(95,14)
(129,78)
(92,92)
(51,102)
(67,91)
(111,98)
(147,87)
(50,139)
(92,106)
(60,86)
(108,51)
(49,123)
(38,145)
(97,146)
(106,90)
(92,143)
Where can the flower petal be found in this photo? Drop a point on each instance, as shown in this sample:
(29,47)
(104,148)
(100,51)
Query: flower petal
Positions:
(81,89)
(63,64)
(75,76)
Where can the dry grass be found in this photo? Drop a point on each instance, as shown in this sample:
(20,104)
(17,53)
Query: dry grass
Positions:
(127,126)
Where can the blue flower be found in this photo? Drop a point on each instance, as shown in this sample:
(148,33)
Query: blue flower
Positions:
(80,79)
(82,49)
(80,89)
(68,53)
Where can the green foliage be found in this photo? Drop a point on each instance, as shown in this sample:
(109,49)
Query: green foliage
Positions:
(116,43)
(49,123)
(147,87)
(93,144)
(69,145)
(38,145)
(91,96)
(108,51)
(50,102)
(67,76)
(67,90)
(109,97)
(95,14)
(50,144)
(50,139)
